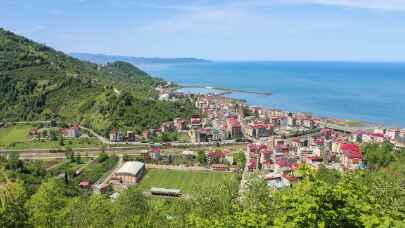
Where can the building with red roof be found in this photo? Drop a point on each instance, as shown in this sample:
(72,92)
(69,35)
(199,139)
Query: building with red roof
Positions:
(352,157)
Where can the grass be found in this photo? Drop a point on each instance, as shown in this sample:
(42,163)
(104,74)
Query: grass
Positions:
(17,133)
(186,181)
(48,144)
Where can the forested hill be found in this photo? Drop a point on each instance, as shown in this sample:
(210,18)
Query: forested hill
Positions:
(38,82)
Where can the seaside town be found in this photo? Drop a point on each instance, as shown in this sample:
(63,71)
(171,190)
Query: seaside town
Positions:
(273,144)
(205,114)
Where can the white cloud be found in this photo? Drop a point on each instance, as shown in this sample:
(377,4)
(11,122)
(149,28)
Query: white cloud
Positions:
(392,5)
(197,19)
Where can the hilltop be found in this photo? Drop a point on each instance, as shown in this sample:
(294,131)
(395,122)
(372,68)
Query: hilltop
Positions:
(39,82)
(104,59)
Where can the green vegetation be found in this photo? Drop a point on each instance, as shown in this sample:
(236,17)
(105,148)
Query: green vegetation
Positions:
(187,181)
(49,144)
(97,168)
(40,83)
(14,134)
(374,197)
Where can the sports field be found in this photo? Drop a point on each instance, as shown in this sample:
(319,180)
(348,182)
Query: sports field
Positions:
(186,181)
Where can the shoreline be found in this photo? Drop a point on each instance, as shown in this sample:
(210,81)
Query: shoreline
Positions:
(348,123)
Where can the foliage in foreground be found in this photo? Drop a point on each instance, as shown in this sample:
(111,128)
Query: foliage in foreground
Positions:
(324,198)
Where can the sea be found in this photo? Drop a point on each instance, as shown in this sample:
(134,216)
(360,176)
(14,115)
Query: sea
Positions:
(370,92)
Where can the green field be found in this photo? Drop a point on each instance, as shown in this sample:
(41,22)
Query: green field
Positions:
(48,144)
(17,133)
(186,181)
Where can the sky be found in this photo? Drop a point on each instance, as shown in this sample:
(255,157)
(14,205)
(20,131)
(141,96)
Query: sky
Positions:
(328,30)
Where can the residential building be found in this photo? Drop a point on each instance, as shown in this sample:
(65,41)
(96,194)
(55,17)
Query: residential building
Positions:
(72,132)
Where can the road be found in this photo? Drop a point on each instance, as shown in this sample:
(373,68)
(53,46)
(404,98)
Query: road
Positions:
(245,175)
(103,181)
(99,137)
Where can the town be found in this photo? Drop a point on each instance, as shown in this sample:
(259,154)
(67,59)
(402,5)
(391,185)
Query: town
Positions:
(227,136)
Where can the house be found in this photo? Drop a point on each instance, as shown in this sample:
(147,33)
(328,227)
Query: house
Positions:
(252,166)
(373,138)
(200,135)
(258,130)
(130,173)
(265,155)
(196,122)
(154,153)
(326,133)
(291,121)
(180,124)
(146,134)
(233,128)
(393,134)
(168,127)
(215,157)
(116,136)
(84,184)
(313,160)
(276,181)
(72,132)
(308,123)
(351,156)
(130,136)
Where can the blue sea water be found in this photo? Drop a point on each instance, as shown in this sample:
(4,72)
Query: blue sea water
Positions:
(372,92)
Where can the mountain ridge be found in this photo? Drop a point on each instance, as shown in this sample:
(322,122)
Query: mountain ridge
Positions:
(104,59)
(39,82)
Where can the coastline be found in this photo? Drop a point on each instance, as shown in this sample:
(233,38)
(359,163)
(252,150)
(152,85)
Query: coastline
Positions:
(225,92)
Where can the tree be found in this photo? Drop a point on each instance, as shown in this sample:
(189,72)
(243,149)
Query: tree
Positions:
(12,200)
(201,157)
(130,208)
(257,198)
(378,155)
(61,141)
(45,205)
(14,161)
(100,211)
(240,159)
(76,213)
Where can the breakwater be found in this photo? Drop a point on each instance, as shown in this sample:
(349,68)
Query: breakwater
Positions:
(227,90)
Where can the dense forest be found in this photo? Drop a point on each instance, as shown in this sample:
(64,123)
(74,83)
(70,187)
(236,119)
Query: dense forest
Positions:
(375,197)
(40,83)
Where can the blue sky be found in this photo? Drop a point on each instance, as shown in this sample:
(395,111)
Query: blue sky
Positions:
(352,30)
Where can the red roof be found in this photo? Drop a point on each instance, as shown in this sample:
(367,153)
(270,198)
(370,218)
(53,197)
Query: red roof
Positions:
(84,183)
(155,149)
(351,151)
(266,152)
(234,122)
(283,162)
(216,154)
(380,135)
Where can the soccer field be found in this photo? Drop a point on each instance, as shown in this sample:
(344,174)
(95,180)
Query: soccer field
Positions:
(186,181)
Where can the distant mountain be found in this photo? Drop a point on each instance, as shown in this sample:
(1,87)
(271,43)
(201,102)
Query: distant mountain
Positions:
(103,59)
(38,82)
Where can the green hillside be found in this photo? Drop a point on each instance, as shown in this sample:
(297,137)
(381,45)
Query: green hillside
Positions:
(40,83)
